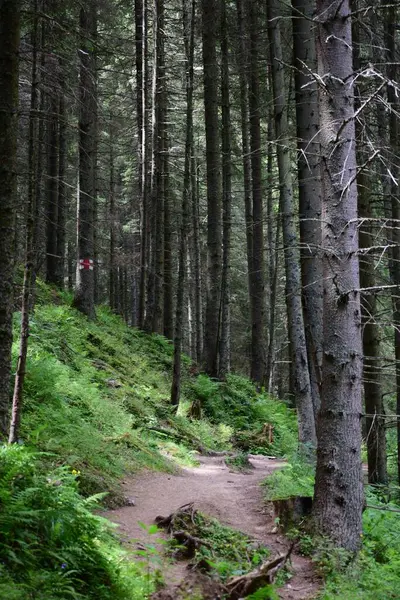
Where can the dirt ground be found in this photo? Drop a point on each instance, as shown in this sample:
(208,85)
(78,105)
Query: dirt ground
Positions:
(234,498)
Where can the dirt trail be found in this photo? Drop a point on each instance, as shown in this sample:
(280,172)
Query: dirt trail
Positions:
(234,498)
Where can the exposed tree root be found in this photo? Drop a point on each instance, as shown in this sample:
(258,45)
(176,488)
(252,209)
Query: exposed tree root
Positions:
(235,588)
(244,585)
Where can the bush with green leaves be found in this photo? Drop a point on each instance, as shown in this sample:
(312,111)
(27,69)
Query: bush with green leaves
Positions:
(52,546)
(237,403)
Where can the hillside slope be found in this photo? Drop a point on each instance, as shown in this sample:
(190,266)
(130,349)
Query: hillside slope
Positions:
(97,397)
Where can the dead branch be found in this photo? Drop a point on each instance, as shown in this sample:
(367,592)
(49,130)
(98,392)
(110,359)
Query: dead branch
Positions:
(244,585)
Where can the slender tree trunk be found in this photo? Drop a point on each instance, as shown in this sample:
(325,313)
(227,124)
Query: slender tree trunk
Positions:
(297,340)
(197,260)
(29,240)
(394,141)
(159,162)
(62,189)
(140,46)
(257,290)
(178,338)
(84,292)
(373,393)
(309,177)
(9,46)
(338,499)
(210,13)
(224,343)
(113,274)
(168,262)
(244,120)
(52,178)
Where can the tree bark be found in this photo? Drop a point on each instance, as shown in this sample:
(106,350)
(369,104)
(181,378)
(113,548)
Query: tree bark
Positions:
(84,292)
(244,121)
(338,498)
(224,343)
(9,46)
(52,173)
(210,13)
(297,340)
(62,189)
(309,181)
(257,285)
(29,239)
(178,338)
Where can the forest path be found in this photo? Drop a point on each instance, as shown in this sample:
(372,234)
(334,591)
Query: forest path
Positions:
(233,498)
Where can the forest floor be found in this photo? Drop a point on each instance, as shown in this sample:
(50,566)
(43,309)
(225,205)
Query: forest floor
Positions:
(234,498)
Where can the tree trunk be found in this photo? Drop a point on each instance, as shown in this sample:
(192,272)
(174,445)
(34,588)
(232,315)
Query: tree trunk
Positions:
(9,47)
(257,287)
(373,393)
(309,178)
(84,292)
(224,342)
(178,338)
(210,13)
(62,189)
(29,239)
(168,262)
(338,498)
(52,175)
(394,141)
(297,340)
(244,120)
(197,260)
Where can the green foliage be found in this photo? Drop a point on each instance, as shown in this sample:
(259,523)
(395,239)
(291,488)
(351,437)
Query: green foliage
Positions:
(236,403)
(294,479)
(228,552)
(375,574)
(52,546)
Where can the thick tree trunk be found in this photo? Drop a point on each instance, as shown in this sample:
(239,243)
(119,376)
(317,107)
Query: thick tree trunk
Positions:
(309,177)
(84,292)
(338,499)
(297,340)
(257,285)
(210,13)
(224,343)
(9,46)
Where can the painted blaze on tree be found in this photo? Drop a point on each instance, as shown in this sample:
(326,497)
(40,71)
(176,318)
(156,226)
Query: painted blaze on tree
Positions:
(338,498)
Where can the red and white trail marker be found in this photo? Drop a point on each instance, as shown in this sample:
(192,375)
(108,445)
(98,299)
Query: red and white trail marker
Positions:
(86,264)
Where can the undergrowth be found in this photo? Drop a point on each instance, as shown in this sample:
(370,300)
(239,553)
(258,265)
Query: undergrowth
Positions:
(226,552)
(375,573)
(52,546)
(96,407)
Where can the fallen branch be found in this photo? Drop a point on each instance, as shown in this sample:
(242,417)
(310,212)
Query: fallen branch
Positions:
(244,585)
